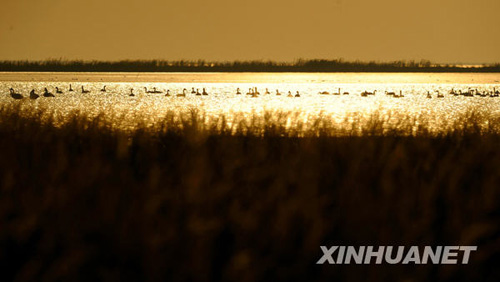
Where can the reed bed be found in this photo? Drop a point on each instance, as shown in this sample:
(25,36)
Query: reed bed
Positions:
(248,199)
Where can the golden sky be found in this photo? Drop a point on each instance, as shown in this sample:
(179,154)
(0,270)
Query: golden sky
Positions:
(443,31)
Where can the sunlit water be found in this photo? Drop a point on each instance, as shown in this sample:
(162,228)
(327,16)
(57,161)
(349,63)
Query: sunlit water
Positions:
(150,108)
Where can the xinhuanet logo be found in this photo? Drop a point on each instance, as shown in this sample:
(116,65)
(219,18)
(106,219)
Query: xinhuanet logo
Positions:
(396,255)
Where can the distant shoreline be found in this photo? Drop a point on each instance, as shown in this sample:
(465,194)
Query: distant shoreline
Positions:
(324,66)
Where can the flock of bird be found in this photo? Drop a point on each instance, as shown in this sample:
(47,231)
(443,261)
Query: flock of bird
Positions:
(46,92)
(469,93)
(253,92)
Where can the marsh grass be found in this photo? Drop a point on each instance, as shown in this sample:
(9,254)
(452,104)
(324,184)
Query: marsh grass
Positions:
(191,198)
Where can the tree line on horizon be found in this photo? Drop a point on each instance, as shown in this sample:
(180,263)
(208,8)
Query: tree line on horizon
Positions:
(301,65)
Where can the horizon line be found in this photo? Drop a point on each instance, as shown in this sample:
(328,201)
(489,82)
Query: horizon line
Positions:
(426,62)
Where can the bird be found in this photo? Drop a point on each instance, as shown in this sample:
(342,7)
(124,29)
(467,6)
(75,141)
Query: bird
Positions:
(345,93)
(324,93)
(366,93)
(336,93)
(57,90)
(297,95)
(390,93)
(277,92)
(250,91)
(494,93)
(192,91)
(429,95)
(204,92)
(33,95)
(452,91)
(469,93)
(267,91)
(103,89)
(47,94)
(439,95)
(289,94)
(183,94)
(147,91)
(70,89)
(156,91)
(238,91)
(400,94)
(131,92)
(168,93)
(85,91)
(256,92)
(198,92)
(15,95)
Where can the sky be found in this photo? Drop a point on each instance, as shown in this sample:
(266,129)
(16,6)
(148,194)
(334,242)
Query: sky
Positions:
(442,31)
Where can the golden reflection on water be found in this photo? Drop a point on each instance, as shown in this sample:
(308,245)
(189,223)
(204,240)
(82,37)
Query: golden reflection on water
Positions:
(148,108)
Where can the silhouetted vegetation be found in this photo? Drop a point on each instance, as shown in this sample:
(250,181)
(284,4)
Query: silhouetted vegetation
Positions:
(191,200)
(239,66)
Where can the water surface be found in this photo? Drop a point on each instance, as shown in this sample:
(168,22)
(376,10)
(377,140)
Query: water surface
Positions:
(150,108)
